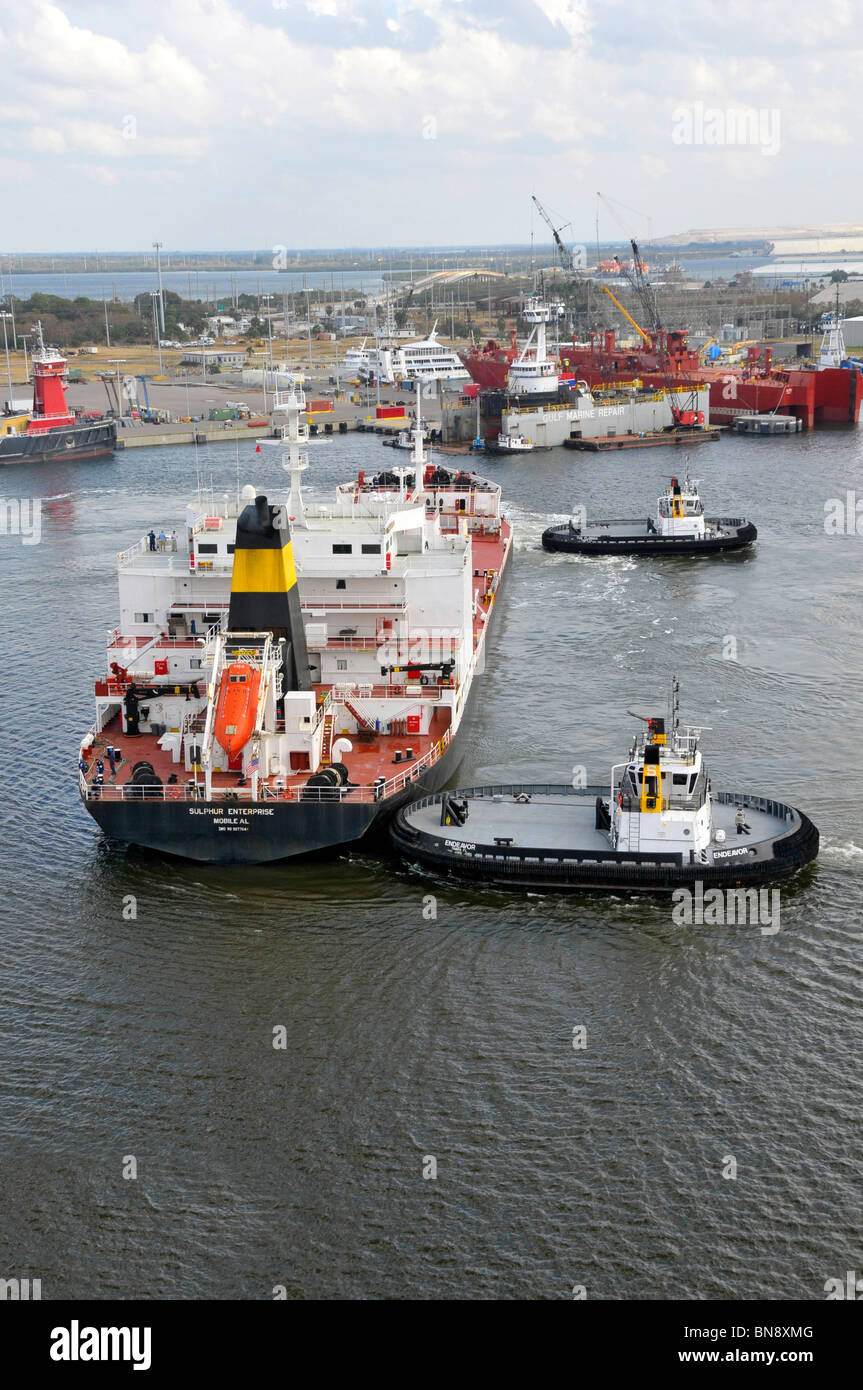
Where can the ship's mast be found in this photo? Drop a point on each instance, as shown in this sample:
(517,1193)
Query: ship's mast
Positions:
(832,353)
(419,457)
(295,462)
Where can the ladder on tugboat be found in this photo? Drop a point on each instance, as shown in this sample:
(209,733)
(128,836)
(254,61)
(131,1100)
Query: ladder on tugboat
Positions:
(327,740)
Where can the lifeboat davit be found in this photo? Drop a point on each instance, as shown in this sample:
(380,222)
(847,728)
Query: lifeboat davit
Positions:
(237,706)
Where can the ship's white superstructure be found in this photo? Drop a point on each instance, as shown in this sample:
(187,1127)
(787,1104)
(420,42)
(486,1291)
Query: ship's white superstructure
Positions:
(397,577)
(425,359)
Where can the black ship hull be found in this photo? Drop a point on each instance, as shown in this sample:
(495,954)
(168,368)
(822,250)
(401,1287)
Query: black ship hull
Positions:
(83,440)
(735,536)
(242,832)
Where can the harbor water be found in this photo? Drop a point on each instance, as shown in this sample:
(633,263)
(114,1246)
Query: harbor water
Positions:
(344,1079)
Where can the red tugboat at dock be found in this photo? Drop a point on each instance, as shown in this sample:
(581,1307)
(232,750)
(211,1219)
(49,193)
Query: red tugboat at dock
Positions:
(51,430)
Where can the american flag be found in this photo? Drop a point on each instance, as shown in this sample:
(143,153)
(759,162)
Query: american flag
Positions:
(254,763)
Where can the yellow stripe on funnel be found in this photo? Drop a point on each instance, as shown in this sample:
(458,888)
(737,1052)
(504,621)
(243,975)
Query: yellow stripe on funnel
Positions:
(264,571)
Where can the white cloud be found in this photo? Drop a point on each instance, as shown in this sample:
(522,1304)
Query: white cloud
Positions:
(13,169)
(45,140)
(329,104)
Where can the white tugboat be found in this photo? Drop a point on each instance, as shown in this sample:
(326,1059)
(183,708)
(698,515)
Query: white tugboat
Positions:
(679,528)
(655,825)
(509,444)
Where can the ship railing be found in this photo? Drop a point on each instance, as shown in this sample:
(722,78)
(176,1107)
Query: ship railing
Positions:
(361,690)
(765,804)
(324,604)
(403,644)
(171,560)
(190,792)
(117,642)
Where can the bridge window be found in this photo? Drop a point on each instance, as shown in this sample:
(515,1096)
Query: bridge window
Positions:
(343,549)
(204,548)
(371,550)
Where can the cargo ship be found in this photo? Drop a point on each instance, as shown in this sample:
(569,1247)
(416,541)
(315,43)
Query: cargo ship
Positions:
(828,393)
(51,431)
(290,674)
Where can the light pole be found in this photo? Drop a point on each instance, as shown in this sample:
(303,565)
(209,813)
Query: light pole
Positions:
(264,378)
(117,363)
(268,297)
(154,295)
(158,246)
(22,338)
(4,316)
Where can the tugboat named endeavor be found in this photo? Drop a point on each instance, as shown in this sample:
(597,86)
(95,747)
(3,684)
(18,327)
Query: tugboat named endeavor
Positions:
(680,528)
(655,826)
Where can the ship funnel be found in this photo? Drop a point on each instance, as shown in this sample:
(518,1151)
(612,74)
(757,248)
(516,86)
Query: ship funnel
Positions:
(264,592)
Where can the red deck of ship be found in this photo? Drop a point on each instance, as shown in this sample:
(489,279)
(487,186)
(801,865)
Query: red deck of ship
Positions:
(368,761)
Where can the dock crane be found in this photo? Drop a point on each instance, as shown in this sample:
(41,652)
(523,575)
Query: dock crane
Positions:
(687,417)
(568,258)
(627,316)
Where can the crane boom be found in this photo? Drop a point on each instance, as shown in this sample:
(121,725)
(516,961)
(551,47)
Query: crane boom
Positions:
(645,336)
(565,255)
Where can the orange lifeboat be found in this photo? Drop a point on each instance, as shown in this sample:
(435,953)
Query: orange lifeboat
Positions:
(236,707)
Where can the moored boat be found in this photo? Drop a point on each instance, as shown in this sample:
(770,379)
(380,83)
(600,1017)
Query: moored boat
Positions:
(52,431)
(509,444)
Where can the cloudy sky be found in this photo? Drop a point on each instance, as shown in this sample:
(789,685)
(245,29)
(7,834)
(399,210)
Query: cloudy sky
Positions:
(240,123)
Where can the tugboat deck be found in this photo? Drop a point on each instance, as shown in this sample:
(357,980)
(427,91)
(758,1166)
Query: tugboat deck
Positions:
(563,820)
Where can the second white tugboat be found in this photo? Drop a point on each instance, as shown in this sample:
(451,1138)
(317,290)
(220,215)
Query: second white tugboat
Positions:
(509,444)
(656,825)
(679,528)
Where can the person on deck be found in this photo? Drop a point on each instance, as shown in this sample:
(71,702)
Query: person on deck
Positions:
(151,537)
